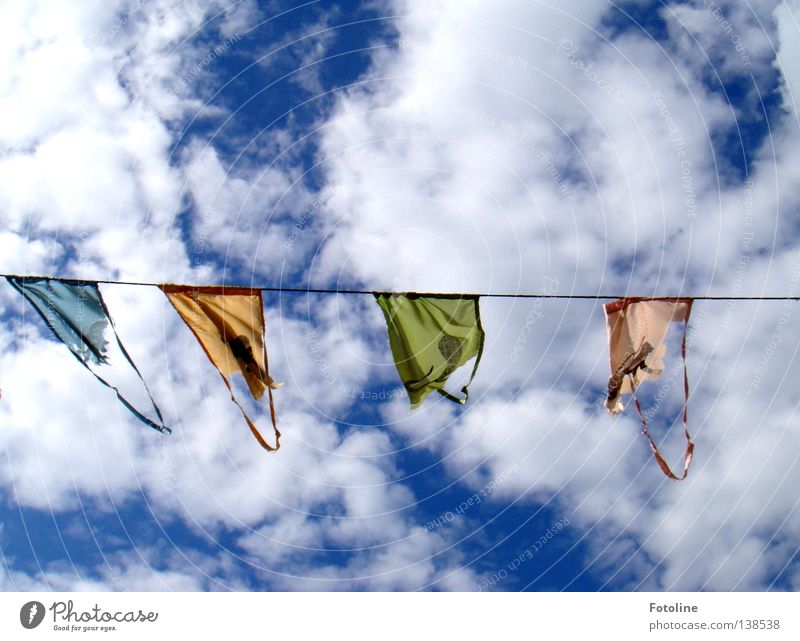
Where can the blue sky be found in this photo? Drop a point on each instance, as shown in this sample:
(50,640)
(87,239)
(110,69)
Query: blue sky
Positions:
(641,148)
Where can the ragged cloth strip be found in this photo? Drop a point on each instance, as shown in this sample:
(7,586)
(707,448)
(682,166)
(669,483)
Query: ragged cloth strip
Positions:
(637,329)
(228,322)
(430,338)
(77,315)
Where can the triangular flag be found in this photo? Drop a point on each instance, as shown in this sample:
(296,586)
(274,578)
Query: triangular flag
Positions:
(78,316)
(228,322)
(637,329)
(431,336)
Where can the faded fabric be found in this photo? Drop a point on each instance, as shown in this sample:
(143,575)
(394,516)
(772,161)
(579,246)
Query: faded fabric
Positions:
(228,322)
(637,329)
(431,337)
(77,315)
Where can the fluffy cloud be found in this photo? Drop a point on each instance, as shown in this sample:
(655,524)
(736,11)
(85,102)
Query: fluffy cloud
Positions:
(90,186)
(545,152)
(511,147)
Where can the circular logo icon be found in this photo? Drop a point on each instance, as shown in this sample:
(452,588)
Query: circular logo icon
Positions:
(31,614)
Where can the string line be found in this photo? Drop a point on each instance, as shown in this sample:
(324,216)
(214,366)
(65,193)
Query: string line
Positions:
(316,290)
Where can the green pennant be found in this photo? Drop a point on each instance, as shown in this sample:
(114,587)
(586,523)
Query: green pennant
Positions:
(431,337)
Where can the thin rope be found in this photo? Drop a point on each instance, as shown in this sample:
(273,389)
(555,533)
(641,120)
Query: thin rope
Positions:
(311,290)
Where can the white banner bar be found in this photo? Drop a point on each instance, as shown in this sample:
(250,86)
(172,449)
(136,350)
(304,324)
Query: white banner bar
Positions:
(389,616)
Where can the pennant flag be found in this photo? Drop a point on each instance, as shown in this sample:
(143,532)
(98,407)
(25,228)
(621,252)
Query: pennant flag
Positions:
(228,322)
(637,329)
(431,337)
(78,316)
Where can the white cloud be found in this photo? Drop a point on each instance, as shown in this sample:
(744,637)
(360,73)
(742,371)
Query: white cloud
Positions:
(501,148)
(90,172)
(461,155)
